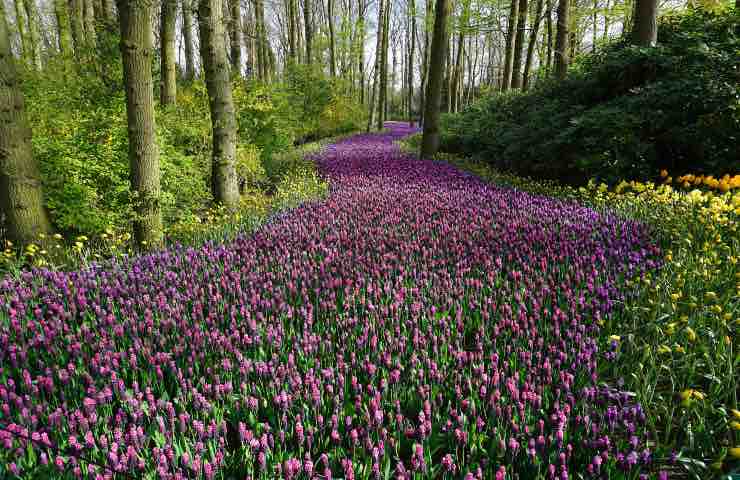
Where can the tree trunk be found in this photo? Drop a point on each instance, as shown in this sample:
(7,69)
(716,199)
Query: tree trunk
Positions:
(187,33)
(235,34)
(22,26)
(562,37)
(532,43)
(64,30)
(455,81)
(645,27)
(511,32)
(516,71)
(361,48)
(78,25)
(383,107)
(548,67)
(292,30)
(216,66)
(410,82)
(308,26)
(167,72)
(34,32)
(136,53)
(108,14)
(90,33)
(21,198)
(376,69)
(332,41)
(249,43)
(430,137)
(425,62)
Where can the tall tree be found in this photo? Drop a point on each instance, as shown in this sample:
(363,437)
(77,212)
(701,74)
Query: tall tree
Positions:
(235,36)
(645,27)
(187,33)
(383,85)
(216,65)
(412,44)
(22,26)
(64,30)
(430,137)
(34,31)
(77,15)
(308,26)
(516,70)
(376,68)
(332,40)
(89,22)
(21,198)
(167,71)
(511,32)
(532,43)
(292,11)
(135,20)
(361,7)
(562,39)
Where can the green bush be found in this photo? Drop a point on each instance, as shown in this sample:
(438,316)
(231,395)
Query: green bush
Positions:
(623,112)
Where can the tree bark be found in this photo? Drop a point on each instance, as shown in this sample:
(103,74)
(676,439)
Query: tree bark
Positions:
(187,33)
(383,87)
(136,53)
(516,71)
(34,32)
(108,14)
(376,69)
(332,40)
(22,26)
(292,30)
(308,26)
(456,71)
(562,38)
(548,67)
(410,82)
(430,137)
(167,71)
(64,30)
(78,25)
(509,51)
(91,35)
(532,43)
(21,196)
(645,27)
(361,48)
(235,34)
(213,54)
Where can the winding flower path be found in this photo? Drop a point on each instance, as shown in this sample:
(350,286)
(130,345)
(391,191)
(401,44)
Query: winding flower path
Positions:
(417,323)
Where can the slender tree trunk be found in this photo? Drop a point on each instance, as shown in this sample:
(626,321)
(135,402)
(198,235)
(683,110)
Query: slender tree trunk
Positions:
(455,81)
(22,26)
(293,30)
(361,47)
(532,43)
(235,35)
(332,40)
(64,30)
(78,25)
(216,65)
(250,43)
(378,58)
(511,33)
(430,137)
(308,26)
(34,32)
(136,53)
(91,35)
(516,71)
(549,37)
(425,62)
(562,49)
(21,197)
(412,44)
(607,21)
(167,72)
(108,12)
(187,33)
(384,82)
(645,27)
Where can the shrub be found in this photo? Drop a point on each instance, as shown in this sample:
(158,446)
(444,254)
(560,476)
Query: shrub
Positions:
(623,112)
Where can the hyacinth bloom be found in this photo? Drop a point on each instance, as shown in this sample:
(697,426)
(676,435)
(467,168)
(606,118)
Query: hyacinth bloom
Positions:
(416,323)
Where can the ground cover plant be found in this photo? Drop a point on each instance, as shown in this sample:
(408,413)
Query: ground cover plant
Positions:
(419,323)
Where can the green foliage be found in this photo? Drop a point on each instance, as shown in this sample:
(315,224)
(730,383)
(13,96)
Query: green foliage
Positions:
(623,112)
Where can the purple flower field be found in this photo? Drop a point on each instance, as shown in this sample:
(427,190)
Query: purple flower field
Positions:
(417,323)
